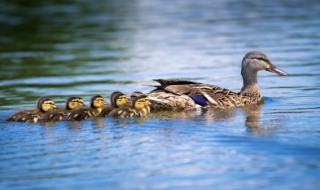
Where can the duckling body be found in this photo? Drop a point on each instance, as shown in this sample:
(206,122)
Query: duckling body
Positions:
(59,113)
(44,105)
(179,94)
(86,112)
(122,112)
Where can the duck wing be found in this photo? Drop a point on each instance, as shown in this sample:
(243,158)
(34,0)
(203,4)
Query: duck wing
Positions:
(201,94)
(123,112)
(176,86)
(164,82)
(216,97)
(105,111)
(57,114)
(19,114)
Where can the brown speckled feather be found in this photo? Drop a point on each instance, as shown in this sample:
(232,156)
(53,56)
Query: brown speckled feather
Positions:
(177,96)
(57,114)
(161,99)
(82,113)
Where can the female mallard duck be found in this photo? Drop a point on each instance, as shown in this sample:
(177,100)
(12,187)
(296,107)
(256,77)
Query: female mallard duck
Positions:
(117,99)
(44,105)
(84,112)
(139,108)
(177,94)
(59,113)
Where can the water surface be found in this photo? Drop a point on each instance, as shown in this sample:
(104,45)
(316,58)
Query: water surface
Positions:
(64,48)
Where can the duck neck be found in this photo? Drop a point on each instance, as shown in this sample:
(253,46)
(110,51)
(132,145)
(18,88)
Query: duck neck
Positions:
(99,109)
(250,82)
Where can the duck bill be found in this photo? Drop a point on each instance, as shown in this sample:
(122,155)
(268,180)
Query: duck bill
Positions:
(276,70)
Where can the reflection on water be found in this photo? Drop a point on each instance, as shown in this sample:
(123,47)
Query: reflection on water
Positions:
(64,48)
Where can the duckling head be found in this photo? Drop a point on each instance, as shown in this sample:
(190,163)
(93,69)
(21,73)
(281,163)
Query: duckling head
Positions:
(255,61)
(118,99)
(74,103)
(97,101)
(141,102)
(45,104)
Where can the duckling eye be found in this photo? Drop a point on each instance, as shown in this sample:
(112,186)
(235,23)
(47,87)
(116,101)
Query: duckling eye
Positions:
(51,103)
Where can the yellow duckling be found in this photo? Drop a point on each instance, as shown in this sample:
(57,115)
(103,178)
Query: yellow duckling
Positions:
(59,113)
(117,99)
(136,94)
(44,105)
(84,112)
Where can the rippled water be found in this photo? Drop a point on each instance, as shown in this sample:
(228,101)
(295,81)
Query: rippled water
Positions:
(63,48)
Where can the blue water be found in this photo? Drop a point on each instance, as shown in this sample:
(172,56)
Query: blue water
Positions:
(64,48)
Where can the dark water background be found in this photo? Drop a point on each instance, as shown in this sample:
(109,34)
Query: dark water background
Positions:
(62,48)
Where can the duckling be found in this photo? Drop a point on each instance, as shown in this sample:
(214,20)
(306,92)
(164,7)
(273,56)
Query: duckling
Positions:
(137,109)
(135,94)
(117,99)
(44,105)
(84,112)
(187,95)
(59,113)
(141,105)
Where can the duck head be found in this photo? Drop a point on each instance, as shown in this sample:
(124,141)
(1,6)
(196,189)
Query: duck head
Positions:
(45,104)
(255,61)
(97,101)
(74,103)
(118,99)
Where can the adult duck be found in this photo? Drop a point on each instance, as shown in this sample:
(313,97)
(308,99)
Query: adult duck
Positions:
(179,94)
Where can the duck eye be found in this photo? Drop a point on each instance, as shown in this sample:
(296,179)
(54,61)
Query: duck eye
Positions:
(51,103)
(260,58)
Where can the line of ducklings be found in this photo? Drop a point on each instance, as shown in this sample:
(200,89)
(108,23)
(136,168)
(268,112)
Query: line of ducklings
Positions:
(75,110)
